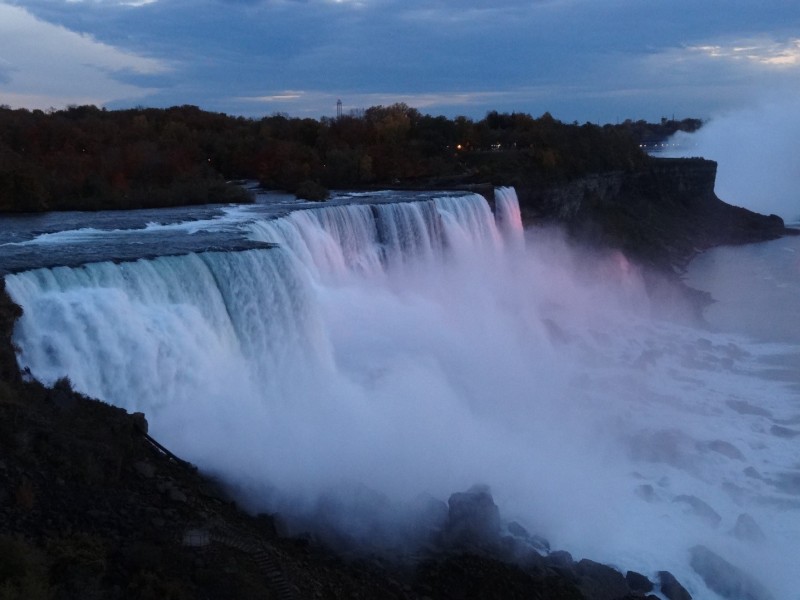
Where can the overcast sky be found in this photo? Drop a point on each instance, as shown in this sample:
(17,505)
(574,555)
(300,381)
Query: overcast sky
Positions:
(585,60)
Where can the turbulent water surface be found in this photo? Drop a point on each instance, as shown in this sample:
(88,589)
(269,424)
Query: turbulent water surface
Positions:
(339,362)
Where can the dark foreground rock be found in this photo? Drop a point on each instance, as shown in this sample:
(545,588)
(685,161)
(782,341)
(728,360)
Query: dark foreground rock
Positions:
(671,587)
(638,582)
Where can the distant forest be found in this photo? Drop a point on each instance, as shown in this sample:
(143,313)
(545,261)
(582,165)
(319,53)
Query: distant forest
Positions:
(87,158)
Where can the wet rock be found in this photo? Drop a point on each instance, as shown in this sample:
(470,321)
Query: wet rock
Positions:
(560,558)
(699,508)
(671,587)
(667,446)
(789,483)
(724,448)
(638,582)
(753,473)
(724,578)
(783,432)
(736,492)
(601,582)
(745,408)
(473,517)
(518,530)
(747,530)
(539,543)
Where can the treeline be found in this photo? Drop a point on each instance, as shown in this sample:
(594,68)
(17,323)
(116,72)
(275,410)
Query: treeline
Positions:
(90,158)
(651,135)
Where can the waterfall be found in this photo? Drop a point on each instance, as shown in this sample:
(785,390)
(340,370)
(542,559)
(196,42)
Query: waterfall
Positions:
(509,219)
(147,333)
(383,351)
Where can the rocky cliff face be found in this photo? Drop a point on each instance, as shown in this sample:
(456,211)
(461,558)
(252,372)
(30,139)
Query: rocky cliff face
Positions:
(9,313)
(661,215)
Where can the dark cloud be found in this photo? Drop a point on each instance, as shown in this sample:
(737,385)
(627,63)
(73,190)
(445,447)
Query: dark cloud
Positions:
(578,59)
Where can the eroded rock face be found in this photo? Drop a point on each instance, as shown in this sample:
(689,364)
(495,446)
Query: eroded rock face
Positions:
(9,313)
(724,578)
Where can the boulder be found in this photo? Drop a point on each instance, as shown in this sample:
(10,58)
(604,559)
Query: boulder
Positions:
(671,588)
(560,559)
(699,508)
(725,448)
(783,432)
(638,582)
(472,517)
(724,578)
(747,530)
(600,582)
(646,492)
(537,542)
(139,422)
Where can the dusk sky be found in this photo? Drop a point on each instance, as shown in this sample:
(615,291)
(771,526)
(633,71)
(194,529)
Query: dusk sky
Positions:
(583,60)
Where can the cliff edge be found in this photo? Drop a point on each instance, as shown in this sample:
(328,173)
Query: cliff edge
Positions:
(660,215)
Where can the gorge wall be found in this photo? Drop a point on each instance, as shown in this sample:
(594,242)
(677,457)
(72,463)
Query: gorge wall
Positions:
(661,215)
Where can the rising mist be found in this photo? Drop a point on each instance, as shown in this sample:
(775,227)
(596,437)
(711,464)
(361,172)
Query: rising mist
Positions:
(756,149)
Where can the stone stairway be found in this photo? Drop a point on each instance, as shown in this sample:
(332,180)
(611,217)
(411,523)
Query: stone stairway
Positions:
(260,553)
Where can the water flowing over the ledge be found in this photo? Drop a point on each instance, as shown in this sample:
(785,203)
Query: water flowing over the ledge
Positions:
(383,351)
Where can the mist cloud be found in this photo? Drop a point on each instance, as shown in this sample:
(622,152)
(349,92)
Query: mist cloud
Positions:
(756,150)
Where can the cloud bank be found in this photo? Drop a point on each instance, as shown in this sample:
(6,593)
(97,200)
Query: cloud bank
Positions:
(577,59)
(44,64)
